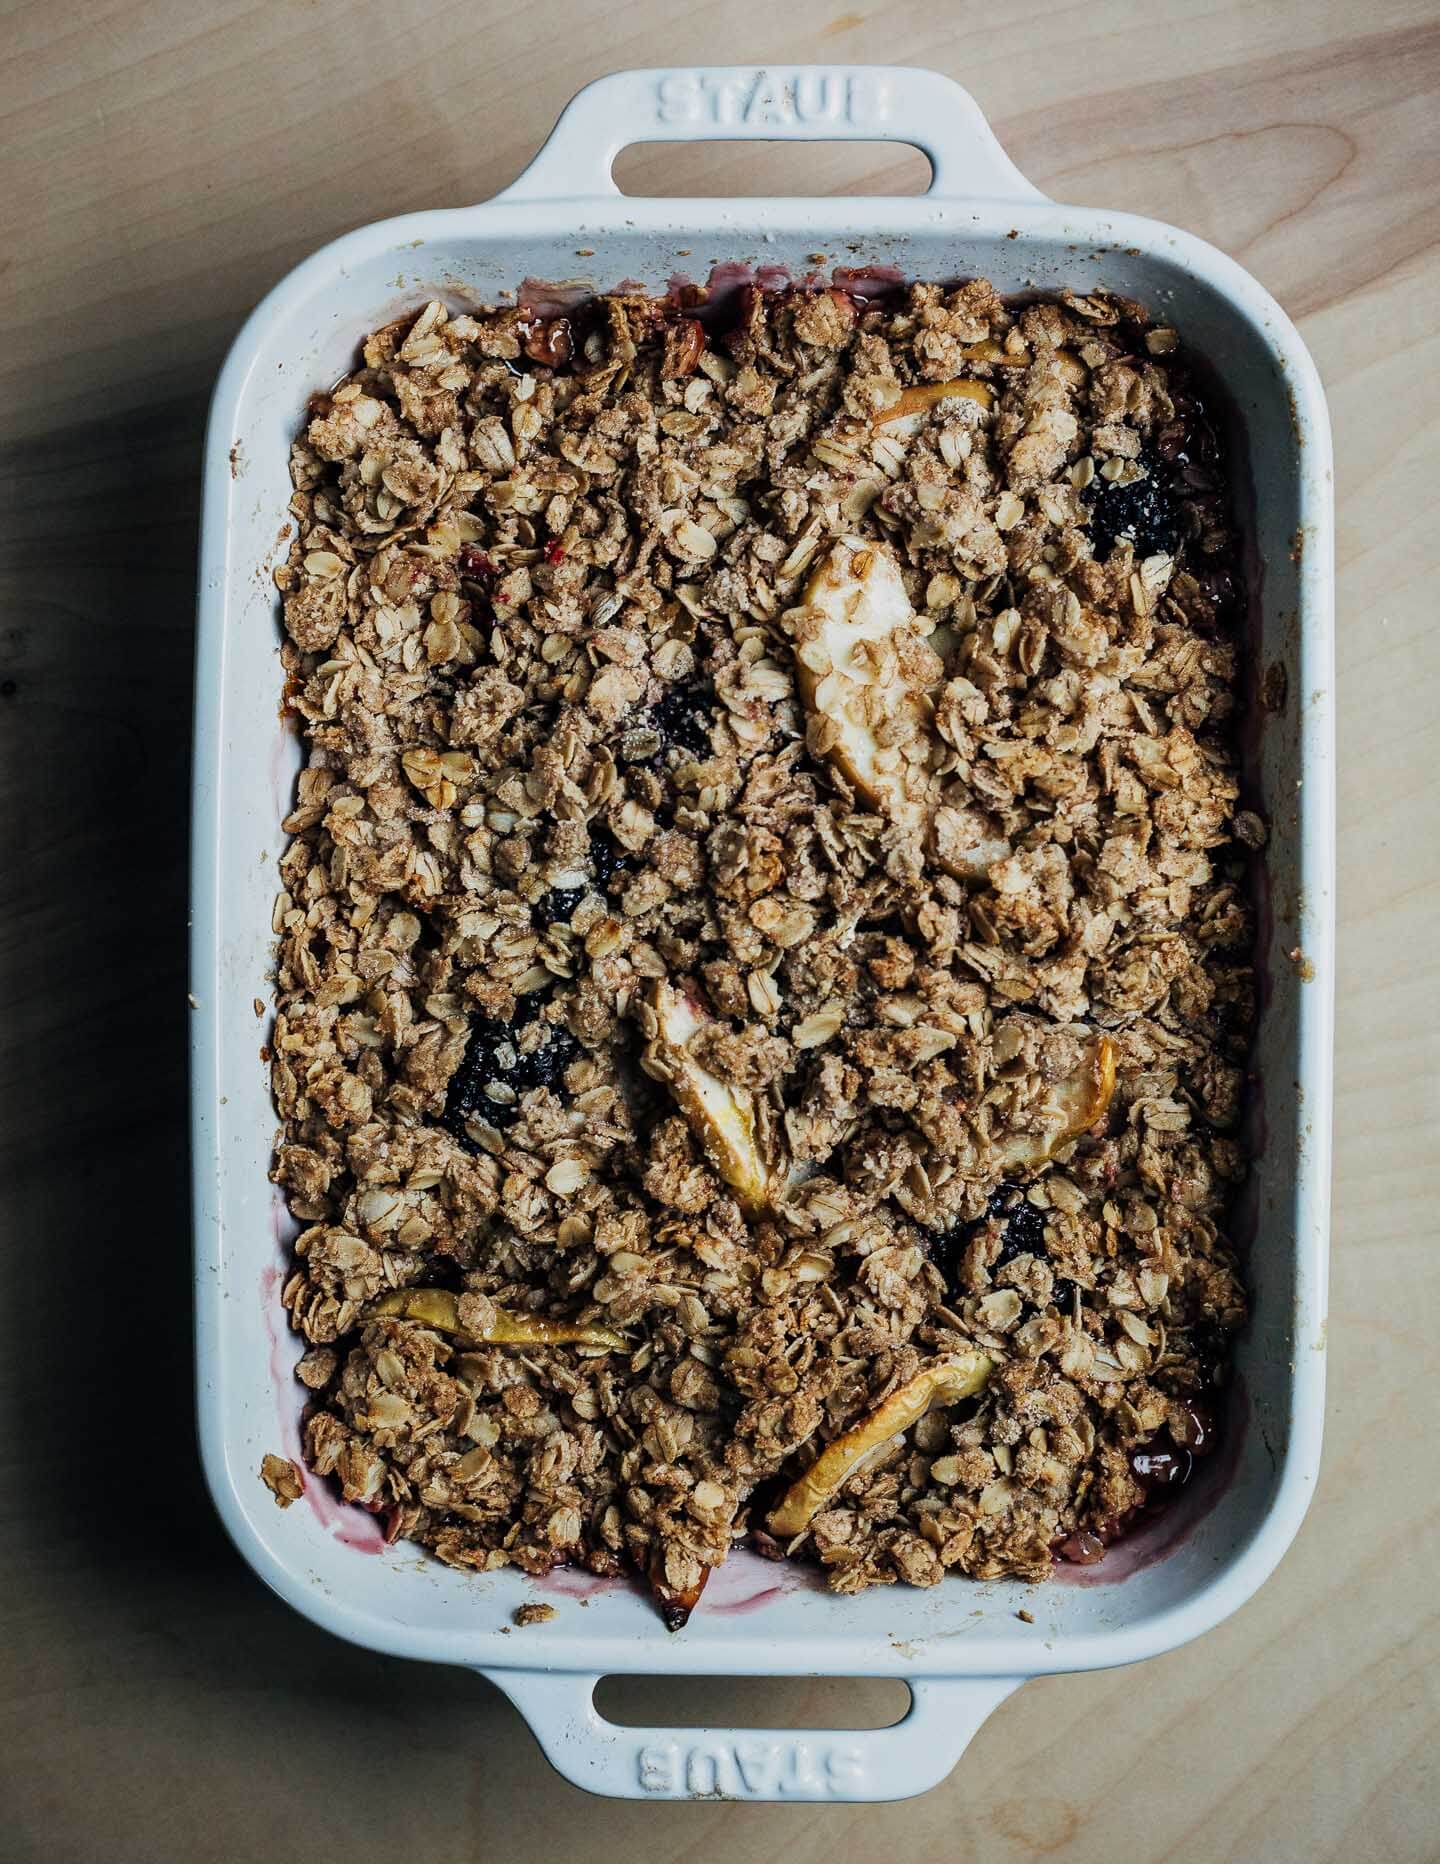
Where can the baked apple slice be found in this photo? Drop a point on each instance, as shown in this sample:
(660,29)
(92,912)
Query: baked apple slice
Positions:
(946,1381)
(1074,1103)
(906,416)
(440,1308)
(862,668)
(675,1606)
(722,1117)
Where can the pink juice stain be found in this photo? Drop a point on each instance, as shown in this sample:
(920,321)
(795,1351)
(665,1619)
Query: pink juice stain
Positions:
(573,1582)
(1173,1525)
(343,1521)
(743,1584)
(747,1583)
(749,1602)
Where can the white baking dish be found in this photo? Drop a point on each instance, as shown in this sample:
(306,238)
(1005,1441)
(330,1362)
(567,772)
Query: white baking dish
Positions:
(961,1647)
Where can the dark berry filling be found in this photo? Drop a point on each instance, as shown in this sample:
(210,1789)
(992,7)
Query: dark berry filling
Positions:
(683,719)
(1024,1234)
(1180,465)
(1210,1346)
(494,1058)
(1162,1466)
(1146,512)
(1081,1549)
(606,859)
(557,907)
(1064,1292)
(477,563)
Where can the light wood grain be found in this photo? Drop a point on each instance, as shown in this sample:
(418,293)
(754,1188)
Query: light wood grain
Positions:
(162,164)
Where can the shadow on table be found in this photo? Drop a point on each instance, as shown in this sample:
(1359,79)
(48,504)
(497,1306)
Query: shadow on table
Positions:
(97,572)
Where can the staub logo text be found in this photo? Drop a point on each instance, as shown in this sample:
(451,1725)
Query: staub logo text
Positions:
(773,99)
(751,1767)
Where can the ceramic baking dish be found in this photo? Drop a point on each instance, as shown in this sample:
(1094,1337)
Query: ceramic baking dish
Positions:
(960,1647)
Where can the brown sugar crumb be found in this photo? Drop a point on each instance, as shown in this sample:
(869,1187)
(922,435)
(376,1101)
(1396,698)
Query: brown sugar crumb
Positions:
(764,919)
(284,1479)
(534,1614)
(1026,1618)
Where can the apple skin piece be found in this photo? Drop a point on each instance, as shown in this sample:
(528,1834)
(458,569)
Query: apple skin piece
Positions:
(722,1117)
(440,1308)
(859,647)
(1079,1101)
(946,1381)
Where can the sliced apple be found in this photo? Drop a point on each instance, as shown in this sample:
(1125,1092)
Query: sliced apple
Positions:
(675,1607)
(854,635)
(722,1117)
(946,1381)
(988,350)
(923,396)
(1075,1103)
(440,1308)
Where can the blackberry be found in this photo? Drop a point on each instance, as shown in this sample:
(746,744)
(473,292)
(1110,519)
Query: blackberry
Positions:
(557,907)
(493,1056)
(683,719)
(1064,1292)
(1147,512)
(1024,1234)
(606,859)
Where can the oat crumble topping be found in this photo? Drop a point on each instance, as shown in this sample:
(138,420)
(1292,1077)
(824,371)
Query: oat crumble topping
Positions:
(764,967)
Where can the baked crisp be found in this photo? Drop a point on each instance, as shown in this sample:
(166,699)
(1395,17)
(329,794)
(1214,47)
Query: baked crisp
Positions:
(764,967)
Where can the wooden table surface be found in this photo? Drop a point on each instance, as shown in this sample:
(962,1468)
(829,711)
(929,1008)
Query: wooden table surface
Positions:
(162,162)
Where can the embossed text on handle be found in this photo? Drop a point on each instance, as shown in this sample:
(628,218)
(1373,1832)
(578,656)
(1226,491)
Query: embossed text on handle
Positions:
(750,1769)
(772,99)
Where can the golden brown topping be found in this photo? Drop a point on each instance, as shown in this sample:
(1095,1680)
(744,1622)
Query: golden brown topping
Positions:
(871,749)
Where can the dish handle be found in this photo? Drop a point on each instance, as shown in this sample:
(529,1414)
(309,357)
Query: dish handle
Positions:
(791,103)
(771,1764)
